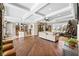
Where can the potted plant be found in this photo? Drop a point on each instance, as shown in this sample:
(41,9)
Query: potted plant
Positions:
(71,42)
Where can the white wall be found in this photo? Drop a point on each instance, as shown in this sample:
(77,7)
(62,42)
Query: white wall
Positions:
(11,29)
(34,28)
(78,32)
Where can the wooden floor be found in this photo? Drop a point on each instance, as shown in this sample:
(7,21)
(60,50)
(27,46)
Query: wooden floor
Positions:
(35,46)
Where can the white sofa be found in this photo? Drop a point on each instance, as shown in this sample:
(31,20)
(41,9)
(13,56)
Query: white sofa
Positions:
(47,35)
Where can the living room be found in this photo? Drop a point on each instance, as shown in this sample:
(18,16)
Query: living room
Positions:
(43,29)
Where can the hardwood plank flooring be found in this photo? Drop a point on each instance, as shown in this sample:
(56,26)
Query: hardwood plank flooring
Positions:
(35,46)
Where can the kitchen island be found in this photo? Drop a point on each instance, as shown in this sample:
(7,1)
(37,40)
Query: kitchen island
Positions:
(48,36)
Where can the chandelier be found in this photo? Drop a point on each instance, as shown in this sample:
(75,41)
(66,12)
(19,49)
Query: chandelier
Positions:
(46,19)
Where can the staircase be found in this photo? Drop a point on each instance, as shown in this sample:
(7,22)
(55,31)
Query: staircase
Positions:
(8,49)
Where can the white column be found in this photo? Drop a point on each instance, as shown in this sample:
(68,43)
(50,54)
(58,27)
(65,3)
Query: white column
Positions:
(78,32)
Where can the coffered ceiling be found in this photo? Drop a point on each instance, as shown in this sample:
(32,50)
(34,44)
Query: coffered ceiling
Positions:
(32,12)
(52,7)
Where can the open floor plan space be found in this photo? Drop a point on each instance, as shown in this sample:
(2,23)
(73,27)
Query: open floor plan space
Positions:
(39,29)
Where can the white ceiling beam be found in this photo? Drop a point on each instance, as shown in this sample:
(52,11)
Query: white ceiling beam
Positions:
(59,11)
(34,10)
(35,20)
(59,18)
(70,7)
(65,20)
(10,5)
(36,4)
